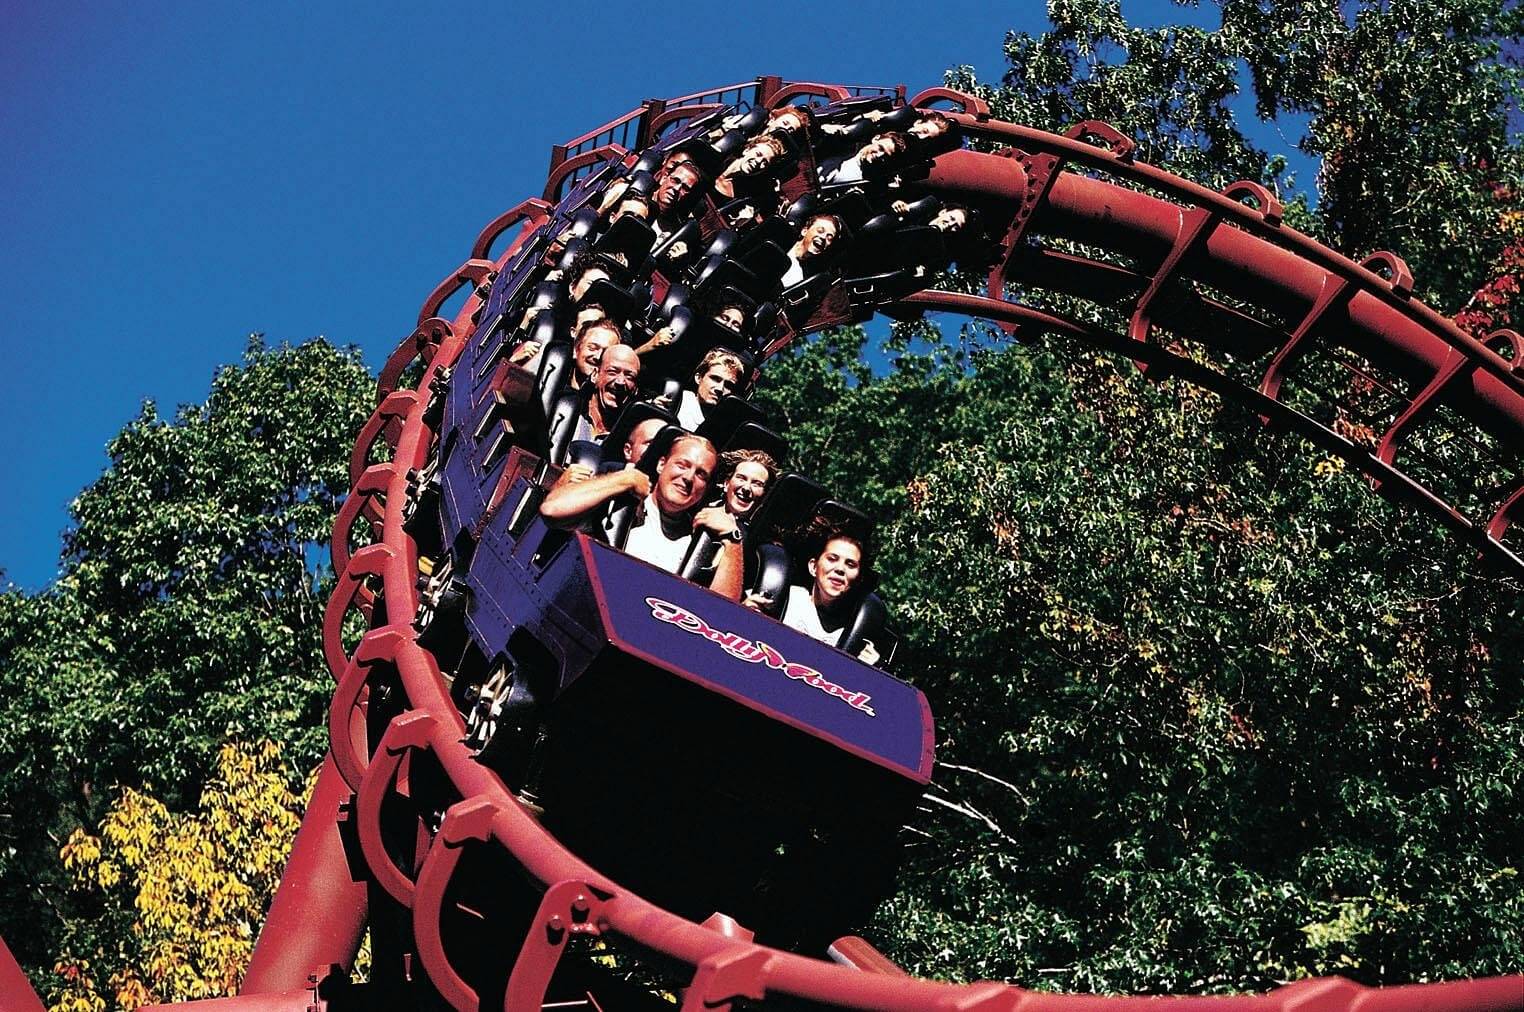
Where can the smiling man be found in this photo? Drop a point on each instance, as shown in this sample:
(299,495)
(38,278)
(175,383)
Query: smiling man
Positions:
(667,515)
(613,388)
(717,376)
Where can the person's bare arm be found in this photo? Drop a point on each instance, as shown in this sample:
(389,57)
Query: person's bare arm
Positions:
(569,502)
(571,475)
(660,339)
(730,571)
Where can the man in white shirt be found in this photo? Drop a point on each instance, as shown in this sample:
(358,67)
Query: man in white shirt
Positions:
(666,521)
(718,376)
(874,160)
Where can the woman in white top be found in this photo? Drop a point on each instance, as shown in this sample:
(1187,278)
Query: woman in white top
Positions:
(823,609)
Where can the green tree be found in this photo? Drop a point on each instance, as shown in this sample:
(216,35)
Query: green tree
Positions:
(188,611)
(1212,716)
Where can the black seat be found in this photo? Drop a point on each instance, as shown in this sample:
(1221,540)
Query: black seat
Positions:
(546,295)
(575,247)
(754,120)
(677,295)
(753,435)
(553,376)
(583,224)
(643,180)
(774,229)
(623,304)
(621,512)
(871,622)
(721,243)
(666,258)
(788,504)
(730,144)
(634,413)
(667,360)
(628,238)
(585,452)
(768,575)
(561,423)
(768,262)
(722,420)
(801,299)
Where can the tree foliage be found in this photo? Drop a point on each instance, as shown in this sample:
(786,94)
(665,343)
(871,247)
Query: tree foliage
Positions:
(175,899)
(188,611)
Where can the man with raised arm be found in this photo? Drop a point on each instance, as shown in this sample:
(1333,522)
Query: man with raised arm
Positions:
(667,516)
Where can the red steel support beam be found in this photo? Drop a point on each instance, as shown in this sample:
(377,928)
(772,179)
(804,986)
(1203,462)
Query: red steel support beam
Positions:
(318,913)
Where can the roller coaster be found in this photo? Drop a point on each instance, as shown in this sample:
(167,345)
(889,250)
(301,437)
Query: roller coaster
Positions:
(502,809)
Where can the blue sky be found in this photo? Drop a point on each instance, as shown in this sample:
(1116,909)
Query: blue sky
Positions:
(176,177)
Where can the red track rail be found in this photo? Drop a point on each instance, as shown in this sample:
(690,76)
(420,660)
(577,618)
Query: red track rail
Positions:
(1243,252)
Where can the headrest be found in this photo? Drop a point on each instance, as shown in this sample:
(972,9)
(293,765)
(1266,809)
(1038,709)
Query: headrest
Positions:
(756,436)
(851,108)
(546,295)
(545,328)
(660,445)
(754,120)
(789,503)
(642,182)
(721,243)
(851,519)
(629,239)
(633,414)
(677,296)
(722,420)
(774,229)
(622,303)
(730,144)
(704,156)
(768,262)
(583,223)
(919,244)
(690,236)
(585,452)
(574,248)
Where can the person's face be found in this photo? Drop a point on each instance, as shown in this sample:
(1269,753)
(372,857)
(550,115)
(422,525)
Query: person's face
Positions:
(589,354)
(950,219)
(679,181)
(682,477)
(744,489)
(717,382)
(818,236)
(876,149)
(925,129)
(617,373)
(732,317)
(587,314)
(581,285)
(787,122)
(756,157)
(640,438)
(637,208)
(836,569)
